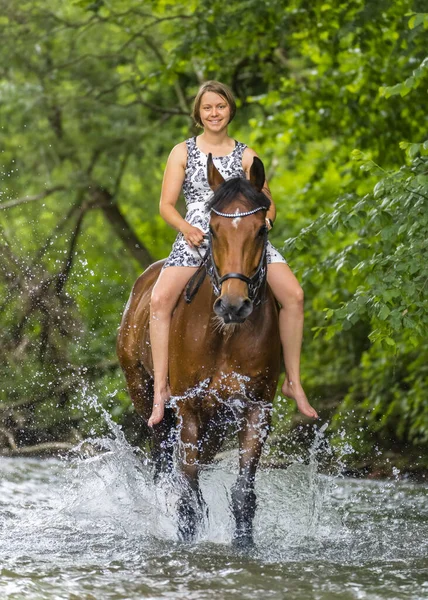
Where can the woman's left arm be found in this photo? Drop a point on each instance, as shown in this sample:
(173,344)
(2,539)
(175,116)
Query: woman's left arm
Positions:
(247,161)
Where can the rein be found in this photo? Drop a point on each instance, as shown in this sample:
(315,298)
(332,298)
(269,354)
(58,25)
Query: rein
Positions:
(209,267)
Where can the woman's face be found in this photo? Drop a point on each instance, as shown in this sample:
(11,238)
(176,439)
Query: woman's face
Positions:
(214,112)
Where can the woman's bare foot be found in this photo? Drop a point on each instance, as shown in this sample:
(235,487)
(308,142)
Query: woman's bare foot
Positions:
(295,391)
(158,410)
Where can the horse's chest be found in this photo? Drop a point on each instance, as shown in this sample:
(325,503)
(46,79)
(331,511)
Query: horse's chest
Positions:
(234,357)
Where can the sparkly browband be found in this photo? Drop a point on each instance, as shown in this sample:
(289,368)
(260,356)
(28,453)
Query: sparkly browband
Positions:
(237,214)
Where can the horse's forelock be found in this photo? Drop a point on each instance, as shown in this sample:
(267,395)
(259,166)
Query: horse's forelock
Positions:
(238,188)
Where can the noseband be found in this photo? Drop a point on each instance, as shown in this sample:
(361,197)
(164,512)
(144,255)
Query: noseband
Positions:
(254,282)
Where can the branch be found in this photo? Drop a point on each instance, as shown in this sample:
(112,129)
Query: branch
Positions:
(21,268)
(109,90)
(154,107)
(120,173)
(26,199)
(181,98)
(184,107)
(104,200)
(415,192)
(65,271)
(8,435)
(118,51)
(76,206)
(70,24)
(59,226)
(94,159)
(46,447)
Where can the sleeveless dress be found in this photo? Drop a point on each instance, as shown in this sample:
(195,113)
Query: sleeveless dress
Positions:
(197,194)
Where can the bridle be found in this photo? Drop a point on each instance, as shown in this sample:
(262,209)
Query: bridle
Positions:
(254,282)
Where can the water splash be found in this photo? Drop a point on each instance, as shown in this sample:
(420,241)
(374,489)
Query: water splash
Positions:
(95,522)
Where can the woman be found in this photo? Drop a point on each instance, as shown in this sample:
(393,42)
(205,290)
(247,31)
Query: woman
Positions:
(214,108)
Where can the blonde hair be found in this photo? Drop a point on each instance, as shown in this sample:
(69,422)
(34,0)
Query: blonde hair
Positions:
(218,88)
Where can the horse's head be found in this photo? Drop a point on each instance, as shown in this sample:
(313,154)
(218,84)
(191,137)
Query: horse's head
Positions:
(238,240)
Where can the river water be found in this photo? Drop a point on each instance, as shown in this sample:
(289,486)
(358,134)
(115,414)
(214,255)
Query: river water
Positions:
(95,527)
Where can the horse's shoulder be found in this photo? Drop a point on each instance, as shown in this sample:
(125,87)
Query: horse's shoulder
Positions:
(147,278)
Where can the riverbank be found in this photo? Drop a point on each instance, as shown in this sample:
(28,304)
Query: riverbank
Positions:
(409,465)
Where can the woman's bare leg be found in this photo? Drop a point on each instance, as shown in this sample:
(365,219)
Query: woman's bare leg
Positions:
(165,295)
(289,294)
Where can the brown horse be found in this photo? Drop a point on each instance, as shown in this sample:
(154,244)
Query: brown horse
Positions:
(224,352)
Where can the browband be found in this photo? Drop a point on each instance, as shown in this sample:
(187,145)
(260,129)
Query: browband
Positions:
(237,214)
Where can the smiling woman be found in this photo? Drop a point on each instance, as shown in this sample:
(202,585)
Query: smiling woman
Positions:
(186,171)
(213,104)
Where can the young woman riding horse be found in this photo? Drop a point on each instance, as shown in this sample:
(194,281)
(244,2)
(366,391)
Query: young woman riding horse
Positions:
(214,108)
(224,352)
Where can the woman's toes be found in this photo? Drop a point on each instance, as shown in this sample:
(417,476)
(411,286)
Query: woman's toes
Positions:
(157,415)
(298,395)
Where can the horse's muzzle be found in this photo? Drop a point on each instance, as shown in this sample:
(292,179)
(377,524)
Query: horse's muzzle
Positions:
(233,311)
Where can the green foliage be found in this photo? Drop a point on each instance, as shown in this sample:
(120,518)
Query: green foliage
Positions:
(386,404)
(94,94)
(381,263)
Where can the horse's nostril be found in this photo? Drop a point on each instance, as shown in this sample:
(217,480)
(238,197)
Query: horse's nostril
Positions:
(219,307)
(245,309)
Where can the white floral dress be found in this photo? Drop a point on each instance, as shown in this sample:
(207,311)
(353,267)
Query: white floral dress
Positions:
(197,194)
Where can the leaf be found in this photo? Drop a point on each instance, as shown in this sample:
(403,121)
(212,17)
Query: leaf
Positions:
(384,312)
(331,331)
(410,83)
(346,325)
(317,331)
(299,244)
(413,150)
(393,90)
(416,20)
(379,189)
(405,90)
(354,221)
(357,154)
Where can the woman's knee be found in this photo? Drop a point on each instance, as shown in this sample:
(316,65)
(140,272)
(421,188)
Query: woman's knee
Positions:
(299,295)
(285,286)
(293,297)
(162,300)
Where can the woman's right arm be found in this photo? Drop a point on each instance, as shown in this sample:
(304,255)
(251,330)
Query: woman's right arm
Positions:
(171,187)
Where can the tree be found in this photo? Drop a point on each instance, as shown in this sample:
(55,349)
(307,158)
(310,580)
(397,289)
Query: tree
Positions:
(94,94)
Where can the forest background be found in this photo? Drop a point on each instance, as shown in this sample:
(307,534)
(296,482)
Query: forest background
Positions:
(333,97)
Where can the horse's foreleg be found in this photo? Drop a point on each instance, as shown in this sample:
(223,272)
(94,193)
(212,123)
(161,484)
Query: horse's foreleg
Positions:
(190,505)
(251,440)
(163,443)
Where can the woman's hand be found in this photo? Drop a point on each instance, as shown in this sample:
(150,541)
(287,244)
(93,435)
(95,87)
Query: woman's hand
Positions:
(193,235)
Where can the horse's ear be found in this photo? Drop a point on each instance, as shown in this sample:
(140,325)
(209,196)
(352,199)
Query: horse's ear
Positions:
(214,177)
(257,174)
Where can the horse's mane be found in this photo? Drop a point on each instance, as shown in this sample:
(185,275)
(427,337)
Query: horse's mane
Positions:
(240,189)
